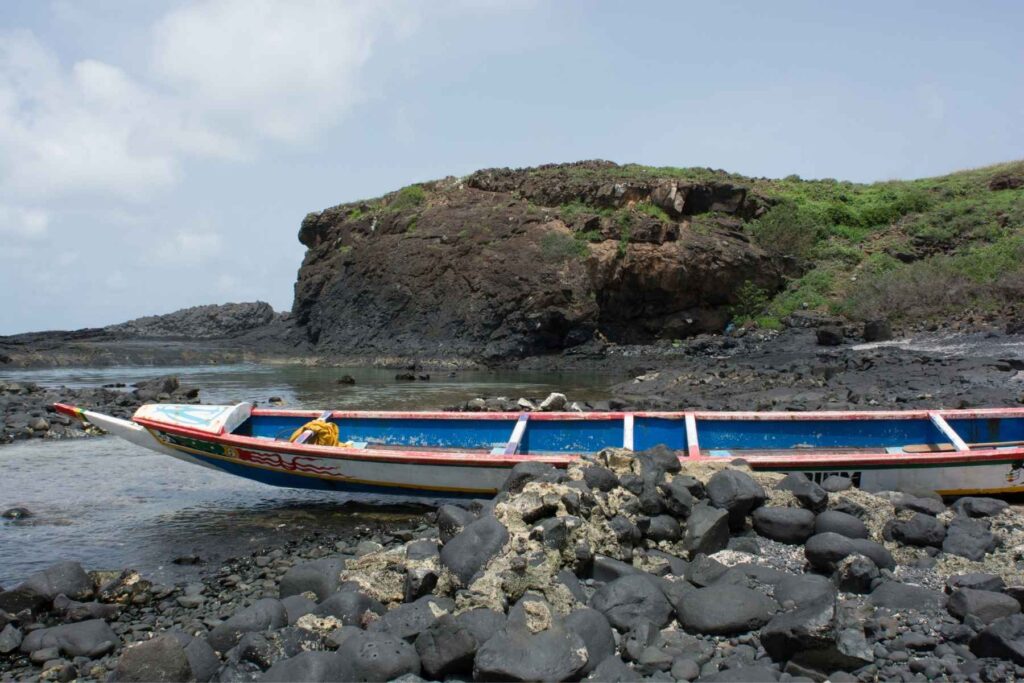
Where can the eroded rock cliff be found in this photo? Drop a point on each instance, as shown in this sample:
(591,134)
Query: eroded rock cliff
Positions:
(508,263)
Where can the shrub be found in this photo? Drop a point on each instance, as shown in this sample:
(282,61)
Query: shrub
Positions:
(408,198)
(751,301)
(786,231)
(653,211)
(558,247)
(919,290)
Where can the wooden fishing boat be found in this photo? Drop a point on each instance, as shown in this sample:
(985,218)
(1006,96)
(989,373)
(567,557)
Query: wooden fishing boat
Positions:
(953,452)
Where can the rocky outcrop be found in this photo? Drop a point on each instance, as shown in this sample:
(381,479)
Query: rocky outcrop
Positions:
(203,322)
(510,263)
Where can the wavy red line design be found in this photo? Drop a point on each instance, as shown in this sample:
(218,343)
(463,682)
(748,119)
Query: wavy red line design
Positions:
(298,463)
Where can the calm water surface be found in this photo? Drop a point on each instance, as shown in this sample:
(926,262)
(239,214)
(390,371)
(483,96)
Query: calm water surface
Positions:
(109,504)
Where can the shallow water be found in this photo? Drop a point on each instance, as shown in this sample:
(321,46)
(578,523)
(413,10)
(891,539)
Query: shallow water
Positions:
(110,505)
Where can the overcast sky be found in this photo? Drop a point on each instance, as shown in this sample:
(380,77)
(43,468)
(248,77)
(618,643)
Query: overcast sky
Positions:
(157,155)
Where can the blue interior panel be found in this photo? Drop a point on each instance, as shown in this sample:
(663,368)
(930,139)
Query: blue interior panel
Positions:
(651,431)
(989,430)
(571,436)
(742,434)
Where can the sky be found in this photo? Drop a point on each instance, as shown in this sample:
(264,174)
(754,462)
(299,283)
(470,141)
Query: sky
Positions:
(157,155)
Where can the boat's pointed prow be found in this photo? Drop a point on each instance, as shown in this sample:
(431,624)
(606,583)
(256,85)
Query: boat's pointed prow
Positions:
(126,429)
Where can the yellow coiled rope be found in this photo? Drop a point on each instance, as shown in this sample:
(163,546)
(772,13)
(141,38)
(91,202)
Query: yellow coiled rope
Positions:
(323,433)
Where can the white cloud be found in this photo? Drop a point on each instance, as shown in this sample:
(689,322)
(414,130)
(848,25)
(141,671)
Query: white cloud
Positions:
(283,70)
(187,247)
(24,223)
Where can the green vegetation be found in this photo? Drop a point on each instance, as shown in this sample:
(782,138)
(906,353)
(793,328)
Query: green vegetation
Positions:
(751,302)
(786,230)
(557,247)
(653,211)
(345,249)
(407,198)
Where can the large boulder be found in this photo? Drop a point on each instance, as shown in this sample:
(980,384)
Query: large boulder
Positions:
(707,530)
(1003,639)
(631,599)
(409,620)
(451,520)
(159,659)
(801,589)
(377,656)
(825,551)
(786,525)
(263,615)
(63,578)
(351,607)
(724,609)
(970,506)
(322,577)
(470,550)
(737,493)
(902,596)
(446,647)
(596,633)
(535,645)
(841,523)
(920,530)
(813,637)
(525,472)
(93,638)
(311,667)
(808,493)
(970,538)
(987,606)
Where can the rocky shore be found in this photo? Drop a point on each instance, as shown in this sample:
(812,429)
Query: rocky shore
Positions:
(624,567)
(26,409)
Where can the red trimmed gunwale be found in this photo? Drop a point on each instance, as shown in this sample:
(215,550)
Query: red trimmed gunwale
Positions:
(477,459)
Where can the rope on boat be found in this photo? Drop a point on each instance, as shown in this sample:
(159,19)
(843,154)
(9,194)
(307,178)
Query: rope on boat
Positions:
(322,433)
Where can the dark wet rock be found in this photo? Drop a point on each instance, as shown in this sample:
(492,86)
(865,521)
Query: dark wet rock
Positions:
(1003,638)
(322,577)
(813,637)
(877,330)
(451,520)
(482,623)
(423,549)
(160,659)
(72,610)
(902,596)
(825,551)
(262,615)
(16,513)
(723,609)
(926,505)
(596,633)
(809,494)
(625,530)
(296,606)
(409,620)
(786,525)
(840,523)
(92,638)
(737,493)
(606,569)
(663,528)
(970,506)
(835,483)
(677,497)
(676,565)
(525,472)
(517,654)
(202,659)
(707,530)
(446,647)
(704,571)
(801,589)
(570,581)
(10,639)
(18,600)
(920,530)
(469,551)
(350,607)
(552,532)
(829,335)
(377,656)
(856,574)
(612,670)
(629,599)
(63,578)
(987,606)
(970,538)
(977,581)
(314,667)
(418,583)
(599,478)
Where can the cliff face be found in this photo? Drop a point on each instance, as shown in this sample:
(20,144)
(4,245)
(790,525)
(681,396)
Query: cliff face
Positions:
(508,263)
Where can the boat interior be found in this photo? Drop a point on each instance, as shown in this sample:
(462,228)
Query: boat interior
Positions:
(713,434)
